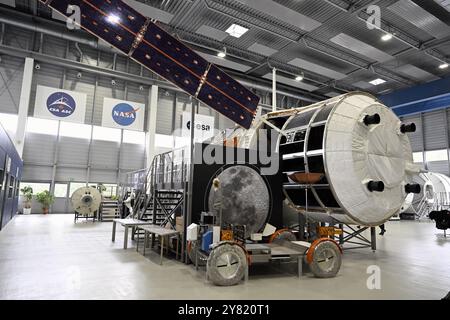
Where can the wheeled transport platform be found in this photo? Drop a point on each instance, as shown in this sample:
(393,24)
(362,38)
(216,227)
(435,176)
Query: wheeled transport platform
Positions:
(228,262)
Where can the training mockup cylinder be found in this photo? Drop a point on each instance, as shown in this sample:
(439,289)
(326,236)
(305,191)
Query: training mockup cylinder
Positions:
(344,160)
(86,200)
(347,160)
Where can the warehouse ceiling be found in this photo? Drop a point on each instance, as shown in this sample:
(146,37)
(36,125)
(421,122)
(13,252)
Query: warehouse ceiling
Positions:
(326,42)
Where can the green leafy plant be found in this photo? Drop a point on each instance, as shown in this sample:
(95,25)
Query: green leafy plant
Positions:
(27,193)
(114,198)
(46,199)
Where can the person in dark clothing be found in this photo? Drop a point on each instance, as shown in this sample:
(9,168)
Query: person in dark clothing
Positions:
(383,230)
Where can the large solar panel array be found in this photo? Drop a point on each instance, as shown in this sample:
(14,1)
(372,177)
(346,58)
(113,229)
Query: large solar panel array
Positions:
(145,42)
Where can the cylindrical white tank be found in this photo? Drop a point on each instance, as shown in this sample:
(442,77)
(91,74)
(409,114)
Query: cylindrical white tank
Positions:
(344,160)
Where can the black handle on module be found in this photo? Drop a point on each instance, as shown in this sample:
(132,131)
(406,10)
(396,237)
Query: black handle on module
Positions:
(375,186)
(372,119)
(405,128)
(413,188)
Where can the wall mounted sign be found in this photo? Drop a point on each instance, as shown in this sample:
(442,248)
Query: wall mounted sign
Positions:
(57,104)
(123,114)
(204,126)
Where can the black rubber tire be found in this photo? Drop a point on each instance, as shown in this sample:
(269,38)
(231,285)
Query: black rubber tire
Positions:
(226,265)
(327,260)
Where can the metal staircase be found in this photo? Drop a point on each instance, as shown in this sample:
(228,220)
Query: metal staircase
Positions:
(109,210)
(162,206)
(160,191)
(161,194)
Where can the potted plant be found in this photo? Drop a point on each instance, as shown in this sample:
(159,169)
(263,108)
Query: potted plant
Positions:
(46,199)
(27,193)
(101,188)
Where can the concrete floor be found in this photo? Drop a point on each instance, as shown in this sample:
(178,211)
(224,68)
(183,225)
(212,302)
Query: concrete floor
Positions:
(50,257)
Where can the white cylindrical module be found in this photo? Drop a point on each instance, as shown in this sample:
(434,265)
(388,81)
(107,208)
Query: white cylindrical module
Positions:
(86,200)
(441,184)
(434,194)
(344,160)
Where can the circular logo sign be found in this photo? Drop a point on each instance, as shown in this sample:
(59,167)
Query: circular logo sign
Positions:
(61,104)
(124,114)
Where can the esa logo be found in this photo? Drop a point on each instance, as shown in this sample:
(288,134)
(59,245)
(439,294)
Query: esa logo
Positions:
(61,104)
(199,126)
(124,114)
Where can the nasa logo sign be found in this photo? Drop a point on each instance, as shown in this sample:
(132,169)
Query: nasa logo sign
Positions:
(124,114)
(61,104)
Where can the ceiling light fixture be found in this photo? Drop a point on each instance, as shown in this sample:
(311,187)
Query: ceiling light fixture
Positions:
(222,54)
(443,66)
(236,30)
(299,78)
(377,82)
(387,37)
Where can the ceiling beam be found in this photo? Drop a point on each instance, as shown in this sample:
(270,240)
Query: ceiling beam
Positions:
(406,38)
(322,47)
(435,9)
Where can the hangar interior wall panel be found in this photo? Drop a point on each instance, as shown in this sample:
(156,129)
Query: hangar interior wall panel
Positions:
(136,95)
(448,119)
(71,174)
(104,89)
(104,176)
(434,127)
(439,166)
(104,154)
(164,115)
(39,149)
(122,176)
(134,68)
(37,173)
(182,106)
(48,75)
(122,64)
(416,137)
(54,46)
(60,205)
(105,59)
(11,69)
(84,85)
(205,110)
(132,157)
(90,56)
(73,151)
(16,37)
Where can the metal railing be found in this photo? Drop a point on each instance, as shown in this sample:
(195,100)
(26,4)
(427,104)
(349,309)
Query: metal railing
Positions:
(441,202)
(168,171)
